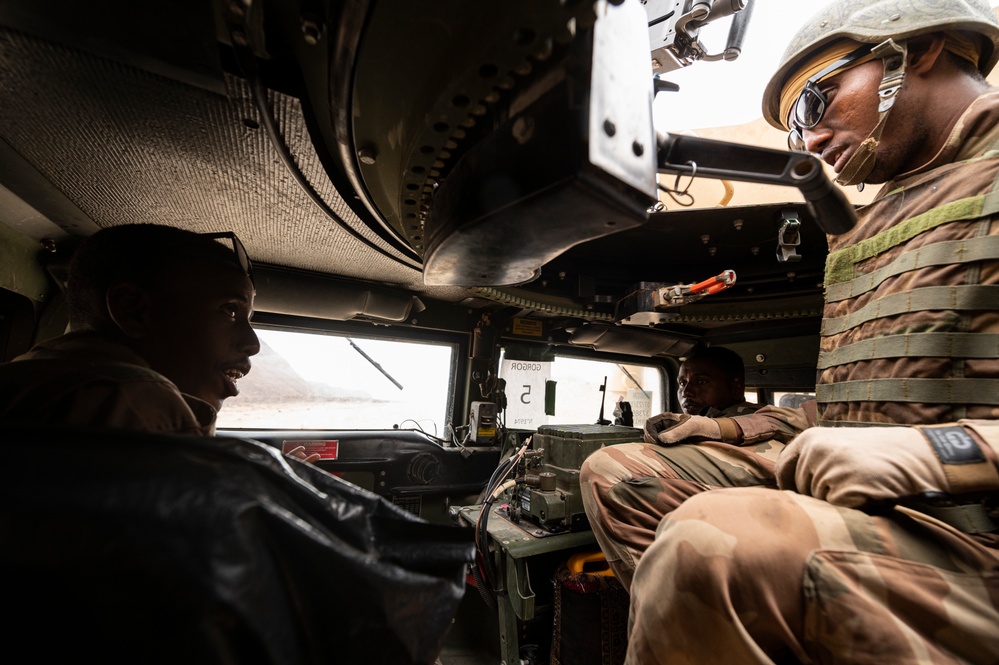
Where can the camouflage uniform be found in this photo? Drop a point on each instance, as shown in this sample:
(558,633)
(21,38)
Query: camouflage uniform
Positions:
(85,379)
(629,487)
(758,576)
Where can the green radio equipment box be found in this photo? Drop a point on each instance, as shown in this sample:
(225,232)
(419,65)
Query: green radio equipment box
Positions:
(554,501)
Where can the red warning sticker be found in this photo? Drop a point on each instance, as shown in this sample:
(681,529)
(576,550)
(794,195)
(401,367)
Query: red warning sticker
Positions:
(326,449)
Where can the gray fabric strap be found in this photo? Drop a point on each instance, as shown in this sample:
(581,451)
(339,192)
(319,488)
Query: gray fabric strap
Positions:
(955,298)
(914,345)
(943,253)
(967,518)
(925,391)
(824,422)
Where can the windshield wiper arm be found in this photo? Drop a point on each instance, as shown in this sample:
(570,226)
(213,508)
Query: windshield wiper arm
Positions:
(375,363)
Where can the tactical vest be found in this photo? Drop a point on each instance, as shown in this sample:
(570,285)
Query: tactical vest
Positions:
(910,332)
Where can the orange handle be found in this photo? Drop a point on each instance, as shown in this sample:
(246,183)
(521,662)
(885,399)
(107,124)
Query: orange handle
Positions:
(577,564)
(715,284)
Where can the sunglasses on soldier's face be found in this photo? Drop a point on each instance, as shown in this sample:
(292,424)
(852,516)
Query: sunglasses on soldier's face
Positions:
(811,104)
(242,258)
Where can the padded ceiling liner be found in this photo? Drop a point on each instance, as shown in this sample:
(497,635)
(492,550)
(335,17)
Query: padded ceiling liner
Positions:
(630,341)
(126,146)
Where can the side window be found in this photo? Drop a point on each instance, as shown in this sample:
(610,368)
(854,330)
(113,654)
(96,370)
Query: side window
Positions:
(308,380)
(792,399)
(578,398)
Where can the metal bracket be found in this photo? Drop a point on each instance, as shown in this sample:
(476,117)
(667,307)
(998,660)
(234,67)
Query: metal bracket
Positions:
(684,294)
(789,237)
(687,155)
(648,303)
(675,27)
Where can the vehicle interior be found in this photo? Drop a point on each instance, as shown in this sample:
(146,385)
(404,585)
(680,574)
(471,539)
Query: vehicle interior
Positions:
(475,254)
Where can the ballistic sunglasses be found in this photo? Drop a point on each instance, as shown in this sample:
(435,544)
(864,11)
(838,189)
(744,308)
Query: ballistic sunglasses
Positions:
(811,104)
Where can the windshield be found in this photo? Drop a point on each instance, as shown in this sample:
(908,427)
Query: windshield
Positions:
(575,384)
(306,380)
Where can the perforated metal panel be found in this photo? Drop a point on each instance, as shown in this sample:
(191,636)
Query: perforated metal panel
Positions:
(125,145)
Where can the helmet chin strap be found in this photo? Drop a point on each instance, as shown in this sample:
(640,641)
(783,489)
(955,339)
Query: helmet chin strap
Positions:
(861,162)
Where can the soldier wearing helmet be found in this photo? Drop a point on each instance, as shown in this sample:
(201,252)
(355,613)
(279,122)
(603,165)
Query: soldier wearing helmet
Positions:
(884,546)
(848,36)
(883,90)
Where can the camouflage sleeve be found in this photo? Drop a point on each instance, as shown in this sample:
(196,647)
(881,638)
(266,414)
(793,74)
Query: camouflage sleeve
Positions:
(854,466)
(776,422)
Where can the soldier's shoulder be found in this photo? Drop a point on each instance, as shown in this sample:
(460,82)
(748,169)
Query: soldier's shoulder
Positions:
(741,409)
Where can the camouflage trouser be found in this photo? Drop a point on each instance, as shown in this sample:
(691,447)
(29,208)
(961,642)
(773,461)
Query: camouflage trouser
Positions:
(628,488)
(763,576)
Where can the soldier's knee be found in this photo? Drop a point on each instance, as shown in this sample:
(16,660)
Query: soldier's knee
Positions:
(595,462)
(591,482)
(740,524)
(599,474)
(614,464)
(696,547)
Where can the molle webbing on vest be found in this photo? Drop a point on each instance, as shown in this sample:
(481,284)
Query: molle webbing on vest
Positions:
(840,264)
(942,253)
(952,298)
(923,391)
(906,342)
(914,345)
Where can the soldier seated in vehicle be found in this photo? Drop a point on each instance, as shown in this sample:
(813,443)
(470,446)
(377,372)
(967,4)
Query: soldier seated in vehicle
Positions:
(885,548)
(712,382)
(171,549)
(160,335)
(628,487)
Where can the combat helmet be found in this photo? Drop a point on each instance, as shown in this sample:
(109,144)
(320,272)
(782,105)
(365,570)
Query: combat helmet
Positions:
(873,22)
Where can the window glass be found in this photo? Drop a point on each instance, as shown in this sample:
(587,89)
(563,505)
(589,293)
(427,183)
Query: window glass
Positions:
(306,380)
(792,399)
(578,397)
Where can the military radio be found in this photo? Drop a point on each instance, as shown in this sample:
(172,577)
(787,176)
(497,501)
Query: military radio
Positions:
(548,494)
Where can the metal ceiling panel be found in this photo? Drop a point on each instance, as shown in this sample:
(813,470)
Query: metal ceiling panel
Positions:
(124,145)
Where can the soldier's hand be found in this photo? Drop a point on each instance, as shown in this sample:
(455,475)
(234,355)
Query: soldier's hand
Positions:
(672,428)
(299,453)
(853,466)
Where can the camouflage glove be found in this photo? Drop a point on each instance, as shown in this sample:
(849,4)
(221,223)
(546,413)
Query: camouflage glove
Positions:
(854,466)
(671,428)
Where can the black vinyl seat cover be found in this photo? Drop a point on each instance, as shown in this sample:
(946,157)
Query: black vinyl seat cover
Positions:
(152,548)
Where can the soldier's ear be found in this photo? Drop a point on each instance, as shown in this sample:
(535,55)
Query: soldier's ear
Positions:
(128,306)
(925,53)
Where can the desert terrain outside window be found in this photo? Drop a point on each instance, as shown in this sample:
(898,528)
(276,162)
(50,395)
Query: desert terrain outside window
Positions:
(310,380)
